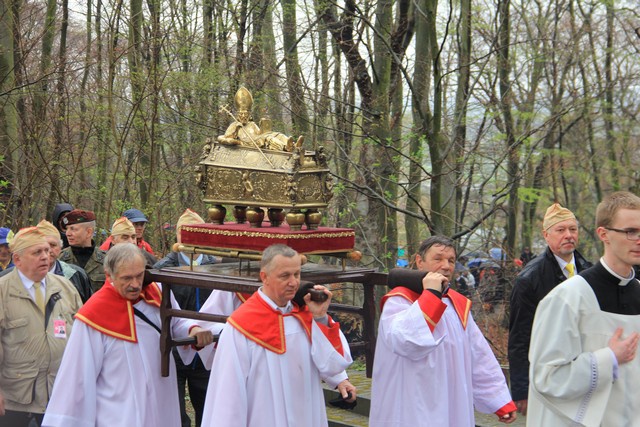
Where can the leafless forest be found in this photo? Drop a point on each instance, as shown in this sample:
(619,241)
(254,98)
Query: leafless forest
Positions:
(466,118)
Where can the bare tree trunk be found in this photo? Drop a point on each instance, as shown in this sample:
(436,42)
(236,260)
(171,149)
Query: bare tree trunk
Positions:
(421,113)
(392,191)
(41,98)
(595,161)
(33,158)
(344,123)
(8,106)
(270,85)
(441,151)
(257,73)
(61,113)
(119,140)
(533,173)
(209,101)
(513,176)
(323,107)
(608,99)
(299,114)
(403,30)
(105,137)
(208,31)
(23,143)
(460,111)
(241,20)
(99,122)
(381,152)
(155,78)
(137,77)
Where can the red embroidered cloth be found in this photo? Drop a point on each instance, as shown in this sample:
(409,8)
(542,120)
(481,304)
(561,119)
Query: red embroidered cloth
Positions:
(242,237)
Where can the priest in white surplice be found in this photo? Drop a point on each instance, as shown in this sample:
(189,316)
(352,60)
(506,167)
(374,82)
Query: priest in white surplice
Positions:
(432,363)
(273,354)
(584,370)
(110,372)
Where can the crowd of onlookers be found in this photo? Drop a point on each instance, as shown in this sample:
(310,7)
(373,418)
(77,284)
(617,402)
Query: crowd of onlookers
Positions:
(69,241)
(488,278)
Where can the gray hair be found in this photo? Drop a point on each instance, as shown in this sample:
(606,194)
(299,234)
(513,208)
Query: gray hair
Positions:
(88,224)
(435,241)
(273,251)
(118,255)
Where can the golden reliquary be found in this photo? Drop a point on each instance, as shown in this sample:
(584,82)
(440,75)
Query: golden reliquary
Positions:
(251,167)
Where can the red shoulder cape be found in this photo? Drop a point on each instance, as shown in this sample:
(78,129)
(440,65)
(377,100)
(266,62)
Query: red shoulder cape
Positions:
(243,297)
(432,307)
(111,314)
(260,323)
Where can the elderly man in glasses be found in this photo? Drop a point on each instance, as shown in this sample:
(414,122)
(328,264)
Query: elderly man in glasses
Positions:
(584,369)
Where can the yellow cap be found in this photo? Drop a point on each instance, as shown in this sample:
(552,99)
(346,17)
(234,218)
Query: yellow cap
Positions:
(122,225)
(27,237)
(555,214)
(48,229)
(189,217)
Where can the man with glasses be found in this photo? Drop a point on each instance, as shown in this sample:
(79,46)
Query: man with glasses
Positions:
(584,369)
(558,262)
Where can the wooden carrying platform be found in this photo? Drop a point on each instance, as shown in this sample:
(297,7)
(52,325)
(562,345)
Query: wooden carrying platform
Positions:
(229,277)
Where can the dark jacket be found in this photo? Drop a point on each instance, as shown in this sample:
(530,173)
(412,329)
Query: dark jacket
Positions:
(534,282)
(189,298)
(149,259)
(77,276)
(186,295)
(93,267)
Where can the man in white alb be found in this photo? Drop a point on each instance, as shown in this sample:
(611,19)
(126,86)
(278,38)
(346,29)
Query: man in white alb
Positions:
(432,365)
(110,373)
(273,355)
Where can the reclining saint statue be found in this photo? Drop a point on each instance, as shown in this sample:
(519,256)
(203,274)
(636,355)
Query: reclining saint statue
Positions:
(244,131)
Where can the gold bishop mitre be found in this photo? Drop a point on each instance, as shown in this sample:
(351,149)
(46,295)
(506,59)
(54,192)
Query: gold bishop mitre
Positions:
(243,99)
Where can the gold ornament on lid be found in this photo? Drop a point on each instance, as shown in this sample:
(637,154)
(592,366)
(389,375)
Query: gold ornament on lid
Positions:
(244,131)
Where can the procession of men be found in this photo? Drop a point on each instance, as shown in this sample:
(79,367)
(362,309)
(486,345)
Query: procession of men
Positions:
(80,331)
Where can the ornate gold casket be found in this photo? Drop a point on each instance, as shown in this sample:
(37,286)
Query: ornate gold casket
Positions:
(247,177)
(251,167)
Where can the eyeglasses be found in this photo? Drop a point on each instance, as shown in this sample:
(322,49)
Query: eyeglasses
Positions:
(633,235)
